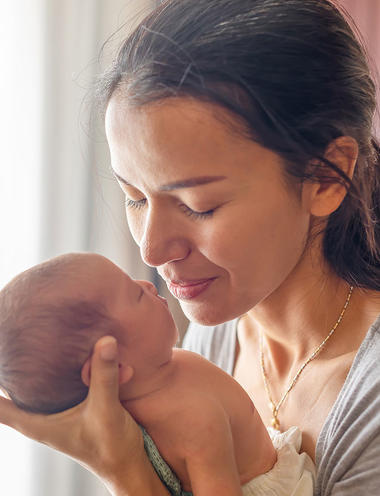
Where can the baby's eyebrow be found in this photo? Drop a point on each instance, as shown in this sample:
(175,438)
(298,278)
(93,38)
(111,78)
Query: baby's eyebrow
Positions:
(185,183)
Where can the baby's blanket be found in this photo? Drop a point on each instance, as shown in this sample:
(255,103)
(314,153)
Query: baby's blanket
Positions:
(163,470)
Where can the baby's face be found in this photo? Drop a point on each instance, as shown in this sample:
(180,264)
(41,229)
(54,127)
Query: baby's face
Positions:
(148,330)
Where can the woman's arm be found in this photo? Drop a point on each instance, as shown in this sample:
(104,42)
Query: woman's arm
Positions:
(142,480)
(98,433)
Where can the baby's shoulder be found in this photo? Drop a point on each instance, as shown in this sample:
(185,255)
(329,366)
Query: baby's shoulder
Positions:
(198,419)
(192,365)
(185,356)
(197,383)
(208,388)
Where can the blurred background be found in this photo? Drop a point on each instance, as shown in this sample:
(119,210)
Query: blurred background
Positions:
(57,193)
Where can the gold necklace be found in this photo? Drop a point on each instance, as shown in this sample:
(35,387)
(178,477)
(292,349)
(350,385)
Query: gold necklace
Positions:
(275,408)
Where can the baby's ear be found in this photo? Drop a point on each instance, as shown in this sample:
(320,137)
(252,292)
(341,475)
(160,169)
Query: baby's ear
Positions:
(125,373)
(86,372)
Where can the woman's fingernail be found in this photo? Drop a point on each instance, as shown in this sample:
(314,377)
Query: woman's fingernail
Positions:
(108,351)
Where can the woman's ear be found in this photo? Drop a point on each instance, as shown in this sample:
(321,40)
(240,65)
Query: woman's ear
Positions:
(326,195)
(125,373)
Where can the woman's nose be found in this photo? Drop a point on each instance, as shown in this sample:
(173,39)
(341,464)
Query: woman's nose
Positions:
(163,241)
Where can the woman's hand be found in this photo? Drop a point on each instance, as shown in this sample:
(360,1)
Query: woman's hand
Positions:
(98,433)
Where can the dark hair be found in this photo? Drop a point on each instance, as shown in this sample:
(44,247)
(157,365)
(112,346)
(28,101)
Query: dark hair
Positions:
(294,74)
(43,344)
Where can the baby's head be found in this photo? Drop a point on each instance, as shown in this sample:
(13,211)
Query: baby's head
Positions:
(51,316)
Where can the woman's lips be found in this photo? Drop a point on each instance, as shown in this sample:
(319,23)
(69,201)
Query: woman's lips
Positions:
(187,290)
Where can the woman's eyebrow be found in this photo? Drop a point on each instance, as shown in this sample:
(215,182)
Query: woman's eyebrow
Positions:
(191,182)
(185,183)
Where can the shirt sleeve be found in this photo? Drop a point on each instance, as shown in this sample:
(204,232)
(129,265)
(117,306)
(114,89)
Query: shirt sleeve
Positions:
(364,475)
(348,447)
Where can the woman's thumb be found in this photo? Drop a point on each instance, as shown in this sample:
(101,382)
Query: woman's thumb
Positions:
(107,348)
(104,383)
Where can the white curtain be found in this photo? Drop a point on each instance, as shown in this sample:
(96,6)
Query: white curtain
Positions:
(56,191)
(21,54)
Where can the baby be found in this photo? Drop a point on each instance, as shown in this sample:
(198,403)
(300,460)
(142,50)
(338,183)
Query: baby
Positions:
(193,415)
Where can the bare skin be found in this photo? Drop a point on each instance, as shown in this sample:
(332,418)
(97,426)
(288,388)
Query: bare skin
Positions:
(204,425)
(114,452)
(203,422)
(255,248)
(331,369)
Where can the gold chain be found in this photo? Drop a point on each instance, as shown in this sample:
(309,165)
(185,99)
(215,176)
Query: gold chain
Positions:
(275,408)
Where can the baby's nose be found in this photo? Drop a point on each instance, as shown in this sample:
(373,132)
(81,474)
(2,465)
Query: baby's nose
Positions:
(148,286)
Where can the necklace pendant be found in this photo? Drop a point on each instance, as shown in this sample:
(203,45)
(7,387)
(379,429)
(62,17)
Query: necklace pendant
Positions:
(274,420)
(275,423)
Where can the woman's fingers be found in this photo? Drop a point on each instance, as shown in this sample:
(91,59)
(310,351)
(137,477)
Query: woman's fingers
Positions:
(12,416)
(29,424)
(8,412)
(103,394)
(99,432)
(121,439)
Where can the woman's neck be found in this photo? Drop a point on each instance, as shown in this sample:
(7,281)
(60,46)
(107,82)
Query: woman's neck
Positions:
(297,317)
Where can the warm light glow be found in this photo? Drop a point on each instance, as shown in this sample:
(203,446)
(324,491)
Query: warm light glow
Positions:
(20,131)
(21,116)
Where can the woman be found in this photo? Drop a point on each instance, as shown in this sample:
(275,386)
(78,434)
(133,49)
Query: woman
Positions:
(240,133)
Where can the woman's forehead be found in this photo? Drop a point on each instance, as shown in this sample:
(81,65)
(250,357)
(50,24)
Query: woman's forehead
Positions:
(175,139)
(178,118)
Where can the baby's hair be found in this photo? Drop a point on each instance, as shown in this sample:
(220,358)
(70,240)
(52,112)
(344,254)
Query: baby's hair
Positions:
(45,341)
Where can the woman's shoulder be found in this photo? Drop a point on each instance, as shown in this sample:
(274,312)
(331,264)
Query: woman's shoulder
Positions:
(348,448)
(364,374)
(216,343)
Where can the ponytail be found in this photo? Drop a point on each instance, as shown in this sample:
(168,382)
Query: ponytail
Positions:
(352,238)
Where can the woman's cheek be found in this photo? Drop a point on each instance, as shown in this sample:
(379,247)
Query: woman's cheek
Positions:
(135,221)
(215,241)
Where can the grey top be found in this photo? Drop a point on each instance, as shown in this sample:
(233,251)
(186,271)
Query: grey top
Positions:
(348,447)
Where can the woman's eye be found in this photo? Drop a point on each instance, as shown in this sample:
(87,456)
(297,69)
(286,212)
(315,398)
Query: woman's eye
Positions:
(196,215)
(135,204)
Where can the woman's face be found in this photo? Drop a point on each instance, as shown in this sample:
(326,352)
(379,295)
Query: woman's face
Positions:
(208,207)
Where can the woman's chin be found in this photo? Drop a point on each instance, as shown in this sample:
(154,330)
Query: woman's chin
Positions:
(208,314)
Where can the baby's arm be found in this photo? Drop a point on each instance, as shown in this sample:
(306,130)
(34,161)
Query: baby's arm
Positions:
(209,455)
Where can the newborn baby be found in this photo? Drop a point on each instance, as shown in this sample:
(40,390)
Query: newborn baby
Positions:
(202,422)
